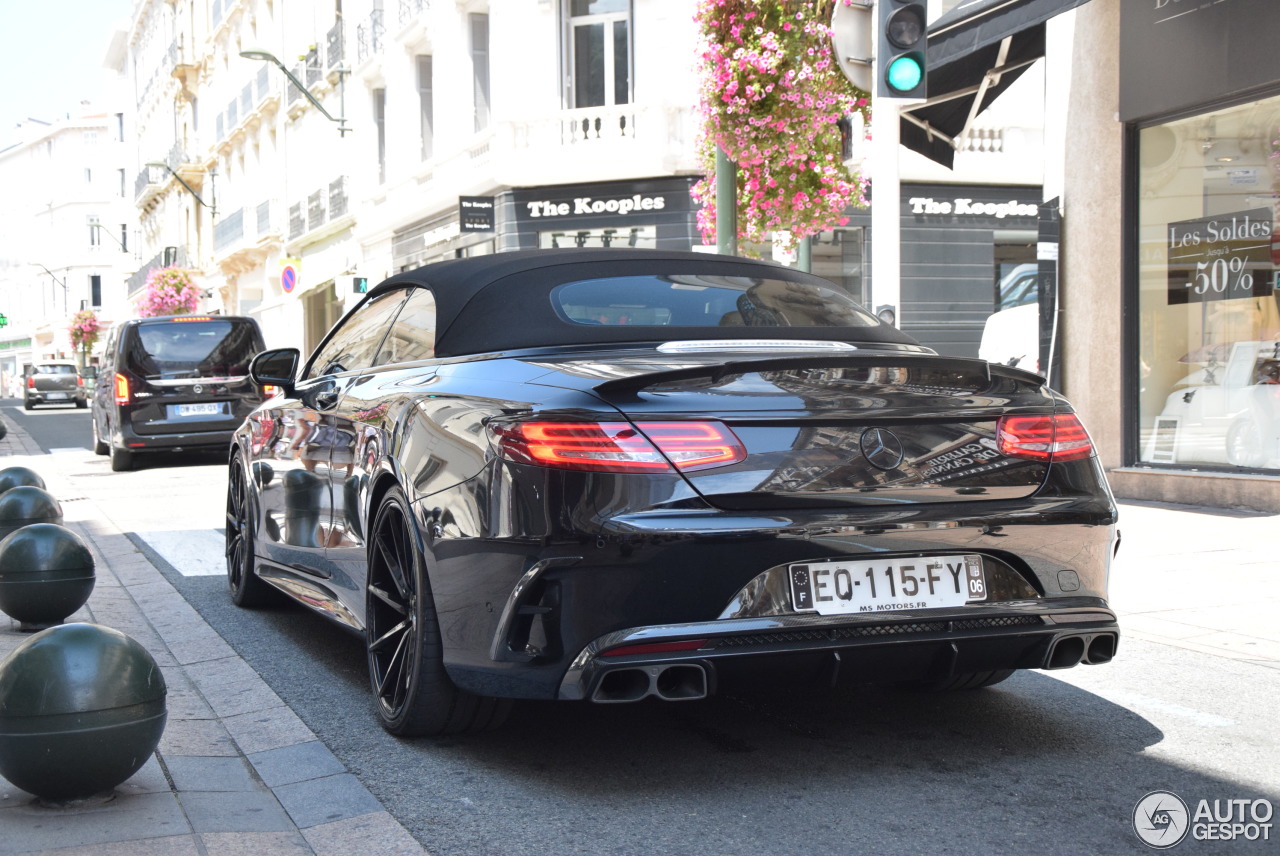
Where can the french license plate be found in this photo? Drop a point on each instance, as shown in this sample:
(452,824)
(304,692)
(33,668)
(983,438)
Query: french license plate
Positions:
(210,408)
(56,396)
(887,585)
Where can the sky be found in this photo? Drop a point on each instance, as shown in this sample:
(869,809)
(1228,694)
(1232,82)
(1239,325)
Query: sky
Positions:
(51,56)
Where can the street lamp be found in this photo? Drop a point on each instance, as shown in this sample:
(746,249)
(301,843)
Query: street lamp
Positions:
(54,277)
(264,56)
(98,228)
(212,208)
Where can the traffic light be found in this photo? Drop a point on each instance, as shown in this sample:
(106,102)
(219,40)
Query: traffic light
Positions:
(901,49)
(351,284)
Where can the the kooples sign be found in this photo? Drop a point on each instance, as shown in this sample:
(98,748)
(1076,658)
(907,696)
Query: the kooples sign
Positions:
(591,205)
(962,205)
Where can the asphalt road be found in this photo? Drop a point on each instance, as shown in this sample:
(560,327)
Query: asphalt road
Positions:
(1050,763)
(52,426)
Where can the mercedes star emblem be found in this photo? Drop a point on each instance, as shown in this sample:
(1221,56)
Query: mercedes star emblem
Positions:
(882,448)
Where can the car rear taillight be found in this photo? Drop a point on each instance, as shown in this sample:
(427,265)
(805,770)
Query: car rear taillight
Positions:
(31,382)
(619,446)
(122,389)
(79,381)
(1060,437)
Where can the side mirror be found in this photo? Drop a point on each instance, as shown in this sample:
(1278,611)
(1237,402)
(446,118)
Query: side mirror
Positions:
(89,372)
(275,368)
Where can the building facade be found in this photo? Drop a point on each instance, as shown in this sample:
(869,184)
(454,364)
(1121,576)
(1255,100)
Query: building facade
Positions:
(67,236)
(1169,269)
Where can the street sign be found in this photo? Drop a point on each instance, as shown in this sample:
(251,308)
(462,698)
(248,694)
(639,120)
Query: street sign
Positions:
(288,278)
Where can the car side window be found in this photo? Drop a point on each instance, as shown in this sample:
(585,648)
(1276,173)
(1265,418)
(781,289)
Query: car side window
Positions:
(413,335)
(354,344)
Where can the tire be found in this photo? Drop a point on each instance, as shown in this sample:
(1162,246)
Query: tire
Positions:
(1244,444)
(248,591)
(411,689)
(957,683)
(99,447)
(121,460)
(81,404)
(27,405)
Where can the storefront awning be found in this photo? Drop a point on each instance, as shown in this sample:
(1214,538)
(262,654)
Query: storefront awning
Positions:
(975,52)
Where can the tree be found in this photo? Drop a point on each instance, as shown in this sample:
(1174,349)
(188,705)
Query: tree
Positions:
(168,291)
(772,96)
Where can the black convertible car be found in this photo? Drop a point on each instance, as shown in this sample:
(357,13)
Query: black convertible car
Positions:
(614,474)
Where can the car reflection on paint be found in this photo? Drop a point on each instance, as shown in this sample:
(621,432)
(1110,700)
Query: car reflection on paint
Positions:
(611,475)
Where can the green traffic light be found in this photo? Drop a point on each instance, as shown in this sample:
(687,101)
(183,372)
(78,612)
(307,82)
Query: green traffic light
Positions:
(904,74)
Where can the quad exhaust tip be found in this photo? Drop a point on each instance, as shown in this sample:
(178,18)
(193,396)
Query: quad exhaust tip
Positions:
(1092,650)
(673,682)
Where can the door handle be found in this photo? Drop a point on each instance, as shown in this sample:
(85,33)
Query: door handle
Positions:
(326,400)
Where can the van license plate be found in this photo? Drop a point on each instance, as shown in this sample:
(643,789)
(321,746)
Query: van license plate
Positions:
(203,409)
(887,585)
(56,396)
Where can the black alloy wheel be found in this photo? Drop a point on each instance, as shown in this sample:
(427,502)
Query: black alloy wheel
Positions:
(247,588)
(414,694)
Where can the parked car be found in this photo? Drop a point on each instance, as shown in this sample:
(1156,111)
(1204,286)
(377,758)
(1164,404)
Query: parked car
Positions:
(173,383)
(614,474)
(1011,334)
(54,382)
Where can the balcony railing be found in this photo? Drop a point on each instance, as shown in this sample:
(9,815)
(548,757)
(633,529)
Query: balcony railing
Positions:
(321,207)
(369,36)
(333,42)
(228,230)
(410,9)
(147,176)
(244,226)
(314,71)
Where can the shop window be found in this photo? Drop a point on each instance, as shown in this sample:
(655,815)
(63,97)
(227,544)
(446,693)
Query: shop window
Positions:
(599,61)
(1209,314)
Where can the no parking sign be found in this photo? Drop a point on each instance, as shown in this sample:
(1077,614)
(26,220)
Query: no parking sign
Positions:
(288,278)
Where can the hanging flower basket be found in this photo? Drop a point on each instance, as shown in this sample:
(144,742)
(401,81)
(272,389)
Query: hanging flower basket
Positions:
(773,96)
(84,329)
(168,291)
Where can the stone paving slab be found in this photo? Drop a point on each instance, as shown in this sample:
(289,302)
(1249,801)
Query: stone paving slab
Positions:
(236,771)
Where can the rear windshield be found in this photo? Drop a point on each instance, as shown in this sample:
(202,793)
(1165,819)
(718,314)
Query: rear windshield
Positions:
(706,301)
(56,369)
(214,348)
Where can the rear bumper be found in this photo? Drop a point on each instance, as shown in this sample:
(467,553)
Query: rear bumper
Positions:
(57,396)
(131,440)
(927,645)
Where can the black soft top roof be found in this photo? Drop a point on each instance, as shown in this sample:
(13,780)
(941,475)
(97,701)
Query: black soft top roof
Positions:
(502,301)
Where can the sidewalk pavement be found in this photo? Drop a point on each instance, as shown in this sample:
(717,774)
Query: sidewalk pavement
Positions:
(238,772)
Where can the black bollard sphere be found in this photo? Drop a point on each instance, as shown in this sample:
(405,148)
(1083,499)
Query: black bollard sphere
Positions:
(26,504)
(19,476)
(82,707)
(46,573)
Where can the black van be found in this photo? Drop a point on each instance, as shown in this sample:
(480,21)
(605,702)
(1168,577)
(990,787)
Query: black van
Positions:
(174,383)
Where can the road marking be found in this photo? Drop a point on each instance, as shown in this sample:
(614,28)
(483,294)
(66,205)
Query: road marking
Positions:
(1199,717)
(192,552)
